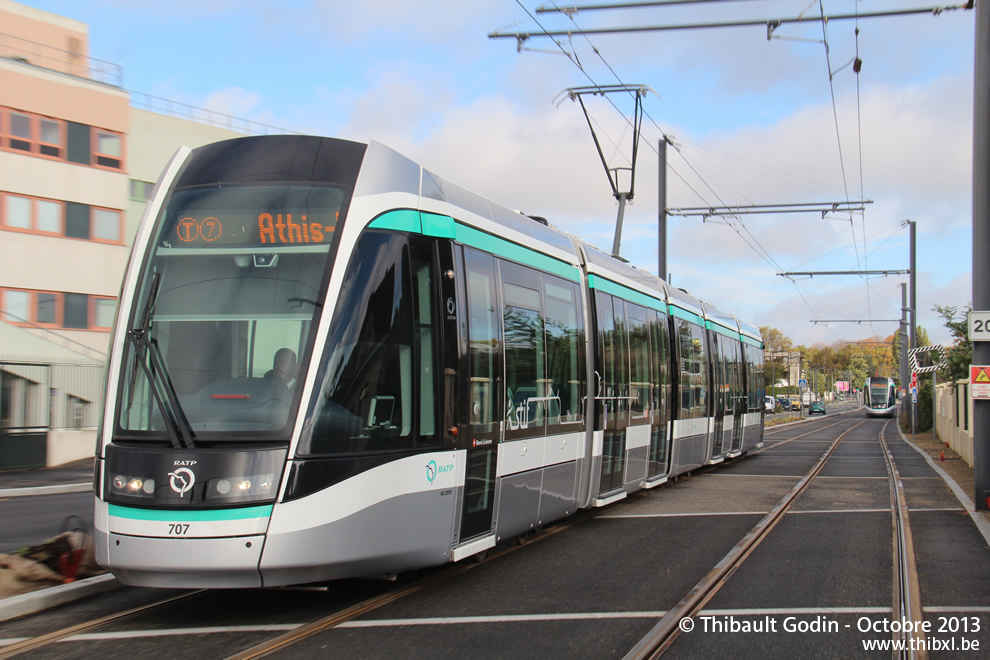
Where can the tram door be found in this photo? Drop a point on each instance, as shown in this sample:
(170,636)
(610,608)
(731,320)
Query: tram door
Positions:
(721,386)
(484,388)
(739,399)
(611,399)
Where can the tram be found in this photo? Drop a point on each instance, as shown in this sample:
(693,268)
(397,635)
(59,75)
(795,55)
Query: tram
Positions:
(329,361)
(880,397)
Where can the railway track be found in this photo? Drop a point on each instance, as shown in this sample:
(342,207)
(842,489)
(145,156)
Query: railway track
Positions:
(906,596)
(905,591)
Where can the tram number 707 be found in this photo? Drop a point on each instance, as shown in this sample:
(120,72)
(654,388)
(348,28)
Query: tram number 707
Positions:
(178,529)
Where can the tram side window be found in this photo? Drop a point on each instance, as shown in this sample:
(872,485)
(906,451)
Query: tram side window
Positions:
(379,377)
(720,357)
(754,377)
(483,338)
(694,375)
(525,371)
(565,354)
(737,391)
(661,369)
(640,385)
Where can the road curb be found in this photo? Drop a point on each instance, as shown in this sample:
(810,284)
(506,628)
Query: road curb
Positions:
(43,599)
(46,490)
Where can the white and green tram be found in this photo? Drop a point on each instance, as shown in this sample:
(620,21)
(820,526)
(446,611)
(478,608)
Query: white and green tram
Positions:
(329,361)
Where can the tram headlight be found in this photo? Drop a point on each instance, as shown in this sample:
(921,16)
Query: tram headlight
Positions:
(242,488)
(132,486)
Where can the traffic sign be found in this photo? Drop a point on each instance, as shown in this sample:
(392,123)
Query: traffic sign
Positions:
(914,379)
(803,382)
(979,326)
(914,395)
(979,381)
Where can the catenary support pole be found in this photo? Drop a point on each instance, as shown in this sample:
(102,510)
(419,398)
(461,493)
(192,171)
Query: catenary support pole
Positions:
(662,221)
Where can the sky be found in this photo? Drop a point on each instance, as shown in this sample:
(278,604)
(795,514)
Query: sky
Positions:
(751,120)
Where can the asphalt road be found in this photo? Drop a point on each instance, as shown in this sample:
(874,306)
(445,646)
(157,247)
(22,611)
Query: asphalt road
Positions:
(27,521)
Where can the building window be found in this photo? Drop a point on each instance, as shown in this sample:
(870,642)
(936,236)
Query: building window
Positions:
(77,143)
(17,213)
(16,306)
(34,134)
(44,310)
(65,140)
(50,143)
(108,150)
(75,311)
(70,311)
(77,220)
(103,311)
(49,217)
(20,131)
(141,190)
(106,225)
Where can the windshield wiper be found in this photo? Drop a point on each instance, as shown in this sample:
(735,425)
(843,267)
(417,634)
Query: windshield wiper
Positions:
(146,345)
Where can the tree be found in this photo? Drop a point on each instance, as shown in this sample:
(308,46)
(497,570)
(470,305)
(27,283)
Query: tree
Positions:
(774,341)
(960,355)
(923,340)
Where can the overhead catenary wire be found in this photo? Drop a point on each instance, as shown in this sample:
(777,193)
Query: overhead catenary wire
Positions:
(731,220)
(734,222)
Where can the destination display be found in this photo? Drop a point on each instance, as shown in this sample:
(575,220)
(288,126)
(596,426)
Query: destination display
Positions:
(261,215)
(224,229)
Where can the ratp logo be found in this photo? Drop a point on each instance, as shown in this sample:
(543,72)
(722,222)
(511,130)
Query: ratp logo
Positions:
(431,471)
(181,480)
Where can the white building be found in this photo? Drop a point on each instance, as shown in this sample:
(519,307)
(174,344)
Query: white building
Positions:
(77,163)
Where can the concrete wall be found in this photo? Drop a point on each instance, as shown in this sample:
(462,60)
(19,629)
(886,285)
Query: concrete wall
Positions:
(954,418)
(70,445)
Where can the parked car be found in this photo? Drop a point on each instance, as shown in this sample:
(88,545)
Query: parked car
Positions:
(768,404)
(816,406)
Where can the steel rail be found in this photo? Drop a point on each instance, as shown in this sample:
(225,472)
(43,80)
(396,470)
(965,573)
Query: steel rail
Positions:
(906,584)
(41,641)
(333,620)
(663,634)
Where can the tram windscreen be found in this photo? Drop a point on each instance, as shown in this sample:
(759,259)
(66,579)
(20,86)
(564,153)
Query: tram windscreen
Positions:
(229,294)
(880,394)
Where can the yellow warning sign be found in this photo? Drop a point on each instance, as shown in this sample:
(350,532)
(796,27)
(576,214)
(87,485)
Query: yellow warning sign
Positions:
(979,379)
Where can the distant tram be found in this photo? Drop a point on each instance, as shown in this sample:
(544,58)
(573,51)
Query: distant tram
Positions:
(880,397)
(329,361)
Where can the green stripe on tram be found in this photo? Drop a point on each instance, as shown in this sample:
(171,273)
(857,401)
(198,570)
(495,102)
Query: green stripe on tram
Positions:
(442,226)
(189,515)
(751,341)
(608,286)
(722,330)
(686,315)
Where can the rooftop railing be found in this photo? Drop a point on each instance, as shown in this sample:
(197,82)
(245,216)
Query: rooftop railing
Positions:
(52,58)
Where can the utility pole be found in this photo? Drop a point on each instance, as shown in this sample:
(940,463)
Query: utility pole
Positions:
(903,344)
(981,244)
(914,286)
